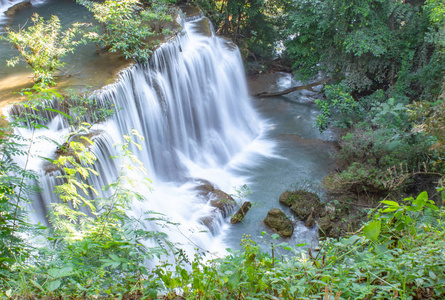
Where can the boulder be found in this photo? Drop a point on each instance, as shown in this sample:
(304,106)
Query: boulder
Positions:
(210,222)
(217,198)
(16,7)
(328,227)
(340,218)
(279,222)
(310,222)
(304,205)
(241,213)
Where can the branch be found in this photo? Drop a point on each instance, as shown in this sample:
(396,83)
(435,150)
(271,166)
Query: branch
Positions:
(296,88)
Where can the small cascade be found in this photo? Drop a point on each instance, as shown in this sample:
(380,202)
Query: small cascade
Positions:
(191,104)
(6,4)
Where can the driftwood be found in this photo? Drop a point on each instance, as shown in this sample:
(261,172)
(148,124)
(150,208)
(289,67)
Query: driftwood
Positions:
(296,88)
(239,216)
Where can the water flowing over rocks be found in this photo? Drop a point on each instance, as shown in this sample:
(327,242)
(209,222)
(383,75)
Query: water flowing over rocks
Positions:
(333,219)
(191,104)
(16,7)
(222,201)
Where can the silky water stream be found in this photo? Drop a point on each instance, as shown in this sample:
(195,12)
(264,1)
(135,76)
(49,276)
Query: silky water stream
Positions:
(191,104)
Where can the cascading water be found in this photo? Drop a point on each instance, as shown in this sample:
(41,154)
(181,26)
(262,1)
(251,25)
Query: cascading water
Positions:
(6,4)
(192,106)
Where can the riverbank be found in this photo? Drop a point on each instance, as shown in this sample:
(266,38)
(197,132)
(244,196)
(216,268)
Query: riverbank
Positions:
(85,70)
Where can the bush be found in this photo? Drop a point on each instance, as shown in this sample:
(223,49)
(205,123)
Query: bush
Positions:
(42,45)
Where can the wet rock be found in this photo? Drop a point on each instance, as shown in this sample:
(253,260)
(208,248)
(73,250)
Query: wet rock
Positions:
(340,218)
(210,222)
(303,204)
(217,198)
(279,222)
(16,7)
(310,222)
(66,150)
(327,227)
(241,213)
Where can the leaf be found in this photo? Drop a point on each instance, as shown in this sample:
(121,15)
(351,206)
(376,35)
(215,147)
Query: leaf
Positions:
(432,275)
(115,257)
(285,246)
(390,209)
(275,236)
(390,203)
(59,112)
(40,126)
(372,230)
(351,240)
(87,139)
(53,161)
(37,285)
(53,285)
(383,250)
(58,273)
(184,274)
(423,196)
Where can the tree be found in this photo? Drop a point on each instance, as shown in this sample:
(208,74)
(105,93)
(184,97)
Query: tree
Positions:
(254,25)
(126,25)
(369,44)
(42,45)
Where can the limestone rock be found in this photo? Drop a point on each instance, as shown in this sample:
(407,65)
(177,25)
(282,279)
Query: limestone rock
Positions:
(241,213)
(16,7)
(304,205)
(340,218)
(328,227)
(279,222)
(217,198)
(310,222)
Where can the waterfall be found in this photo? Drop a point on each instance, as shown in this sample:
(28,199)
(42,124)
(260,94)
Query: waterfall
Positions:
(6,4)
(191,104)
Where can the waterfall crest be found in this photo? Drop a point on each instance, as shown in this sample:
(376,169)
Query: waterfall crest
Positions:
(191,104)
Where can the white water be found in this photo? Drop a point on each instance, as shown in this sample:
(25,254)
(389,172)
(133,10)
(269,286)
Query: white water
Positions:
(6,4)
(191,105)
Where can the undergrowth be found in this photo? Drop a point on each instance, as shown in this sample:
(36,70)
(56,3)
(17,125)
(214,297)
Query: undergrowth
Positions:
(398,254)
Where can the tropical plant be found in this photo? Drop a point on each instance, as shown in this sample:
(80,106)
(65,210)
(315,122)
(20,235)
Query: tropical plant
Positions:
(42,46)
(126,25)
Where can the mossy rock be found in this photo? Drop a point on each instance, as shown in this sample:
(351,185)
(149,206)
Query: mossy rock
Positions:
(340,220)
(327,227)
(303,204)
(279,222)
(217,198)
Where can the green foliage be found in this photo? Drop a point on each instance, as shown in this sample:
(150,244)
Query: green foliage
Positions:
(254,25)
(42,45)
(126,25)
(15,188)
(381,263)
(371,43)
(102,251)
(338,105)
(84,108)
